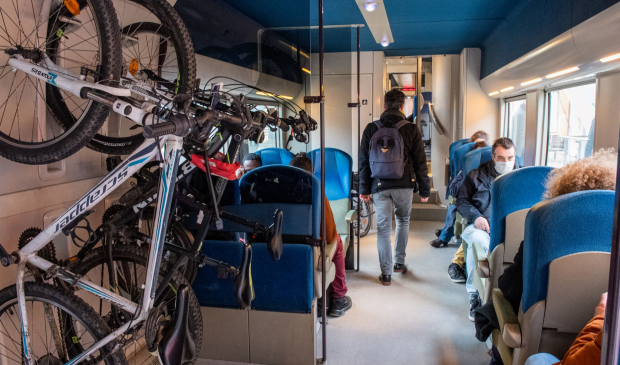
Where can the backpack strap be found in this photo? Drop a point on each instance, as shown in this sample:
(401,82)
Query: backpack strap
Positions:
(378,123)
(401,123)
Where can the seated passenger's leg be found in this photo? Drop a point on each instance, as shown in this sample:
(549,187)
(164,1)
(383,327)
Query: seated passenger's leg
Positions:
(402,202)
(383,208)
(472,234)
(456,270)
(340,303)
(541,359)
(448,228)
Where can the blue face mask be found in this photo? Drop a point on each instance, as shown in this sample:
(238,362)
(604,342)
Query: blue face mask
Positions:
(504,167)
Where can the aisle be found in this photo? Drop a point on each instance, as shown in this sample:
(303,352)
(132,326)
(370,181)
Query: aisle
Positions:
(420,319)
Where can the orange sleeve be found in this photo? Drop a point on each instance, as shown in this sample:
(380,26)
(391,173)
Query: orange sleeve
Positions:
(586,350)
(330,224)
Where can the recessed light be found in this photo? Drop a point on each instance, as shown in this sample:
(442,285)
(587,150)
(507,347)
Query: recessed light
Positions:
(306,70)
(563,72)
(610,58)
(370,6)
(385,43)
(285,97)
(494,93)
(538,79)
(506,89)
(264,93)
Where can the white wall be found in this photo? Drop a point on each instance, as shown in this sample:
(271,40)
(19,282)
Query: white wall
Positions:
(479,111)
(607,117)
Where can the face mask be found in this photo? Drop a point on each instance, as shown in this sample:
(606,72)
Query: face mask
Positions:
(504,167)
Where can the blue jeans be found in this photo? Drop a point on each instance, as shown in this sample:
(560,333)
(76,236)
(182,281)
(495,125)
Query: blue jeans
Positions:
(386,201)
(541,359)
(448,228)
(470,235)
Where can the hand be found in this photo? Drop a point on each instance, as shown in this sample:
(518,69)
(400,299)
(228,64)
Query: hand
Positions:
(482,224)
(600,308)
(240,171)
(424,200)
(365,198)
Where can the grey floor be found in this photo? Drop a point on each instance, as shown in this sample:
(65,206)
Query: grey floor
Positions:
(420,319)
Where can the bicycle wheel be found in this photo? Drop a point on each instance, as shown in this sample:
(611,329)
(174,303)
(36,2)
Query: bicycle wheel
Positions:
(365,217)
(61,326)
(156,44)
(31,131)
(131,261)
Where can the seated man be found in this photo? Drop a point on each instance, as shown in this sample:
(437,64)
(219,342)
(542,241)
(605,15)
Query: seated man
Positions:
(586,350)
(340,302)
(251,161)
(474,201)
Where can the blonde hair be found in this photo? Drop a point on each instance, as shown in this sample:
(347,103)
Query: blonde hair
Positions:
(597,172)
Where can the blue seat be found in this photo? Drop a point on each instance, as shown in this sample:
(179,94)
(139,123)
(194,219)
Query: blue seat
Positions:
(459,156)
(212,290)
(566,255)
(453,160)
(275,156)
(512,195)
(290,284)
(475,158)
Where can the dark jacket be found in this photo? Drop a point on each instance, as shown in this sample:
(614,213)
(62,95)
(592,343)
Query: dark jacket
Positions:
(415,169)
(511,281)
(474,199)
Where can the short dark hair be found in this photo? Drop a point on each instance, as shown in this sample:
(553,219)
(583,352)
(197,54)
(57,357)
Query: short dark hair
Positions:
(481,144)
(394,99)
(253,157)
(504,142)
(479,134)
(302,162)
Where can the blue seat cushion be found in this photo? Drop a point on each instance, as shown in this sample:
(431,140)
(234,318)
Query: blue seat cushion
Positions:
(474,158)
(211,290)
(275,156)
(286,285)
(338,169)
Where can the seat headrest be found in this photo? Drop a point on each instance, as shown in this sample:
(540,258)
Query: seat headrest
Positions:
(475,158)
(275,156)
(567,224)
(459,156)
(338,168)
(516,190)
(279,184)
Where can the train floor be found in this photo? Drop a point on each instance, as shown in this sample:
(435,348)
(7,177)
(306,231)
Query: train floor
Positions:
(420,319)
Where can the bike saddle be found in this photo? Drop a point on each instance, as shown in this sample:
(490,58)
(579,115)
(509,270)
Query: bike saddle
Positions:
(274,243)
(243,283)
(177,346)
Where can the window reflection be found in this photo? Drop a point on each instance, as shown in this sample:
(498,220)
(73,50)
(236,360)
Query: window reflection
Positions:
(515,118)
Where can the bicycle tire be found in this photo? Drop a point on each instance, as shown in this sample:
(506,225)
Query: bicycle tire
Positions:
(69,304)
(184,47)
(81,132)
(139,255)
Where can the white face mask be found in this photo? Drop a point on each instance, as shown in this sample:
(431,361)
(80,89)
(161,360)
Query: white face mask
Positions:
(504,167)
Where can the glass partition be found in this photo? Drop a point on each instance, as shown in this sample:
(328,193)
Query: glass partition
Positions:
(515,124)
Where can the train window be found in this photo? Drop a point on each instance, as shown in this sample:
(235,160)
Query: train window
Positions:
(571,124)
(515,124)
(272,138)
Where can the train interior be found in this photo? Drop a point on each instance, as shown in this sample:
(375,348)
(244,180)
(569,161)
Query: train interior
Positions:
(543,73)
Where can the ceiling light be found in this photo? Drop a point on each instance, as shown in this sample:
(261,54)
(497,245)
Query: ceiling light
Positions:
(385,43)
(285,97)
(610,58)
(306,70)
(370,6)
(506,89)
(264,93)
(494,93)
(563,72)
(538,79)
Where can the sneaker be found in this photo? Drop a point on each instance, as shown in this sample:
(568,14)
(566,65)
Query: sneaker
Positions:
(457,274)
(339,306)
(474,303)
(438,243)
(385,279)
(400,268)
(438,232)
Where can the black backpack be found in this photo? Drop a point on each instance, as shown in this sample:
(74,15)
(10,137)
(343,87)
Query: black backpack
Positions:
(387,152)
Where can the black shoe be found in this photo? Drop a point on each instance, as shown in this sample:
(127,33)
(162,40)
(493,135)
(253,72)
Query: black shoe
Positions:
(339,305)
(474,303)
(438,243)
(385,279)
(438,232)
(457,274)
(400,268)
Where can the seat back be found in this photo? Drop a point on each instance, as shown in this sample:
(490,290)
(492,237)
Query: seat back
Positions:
(275,156)
(338,171)
(516,190)
(453,162)
(475,158)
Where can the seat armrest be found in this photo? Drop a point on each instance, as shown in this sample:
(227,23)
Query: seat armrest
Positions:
(351,216)
(330,251)
(482,263)
(508,320)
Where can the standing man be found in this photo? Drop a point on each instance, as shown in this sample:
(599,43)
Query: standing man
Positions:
(392,160)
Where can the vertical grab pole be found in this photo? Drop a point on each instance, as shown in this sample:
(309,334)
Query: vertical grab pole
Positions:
(359,117)
(323,230)
(611,331)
